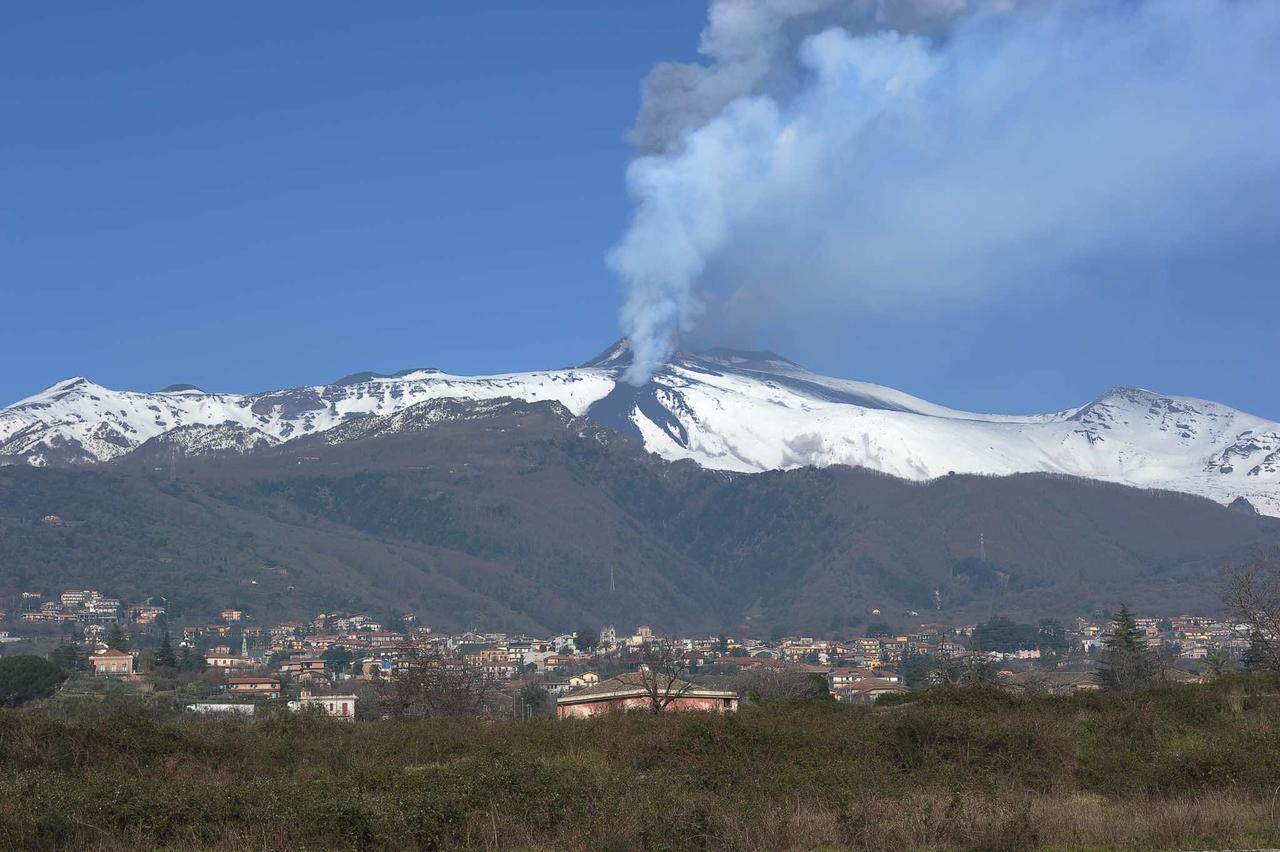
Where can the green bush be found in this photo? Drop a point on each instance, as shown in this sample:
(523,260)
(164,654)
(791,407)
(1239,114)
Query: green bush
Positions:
(957,768)
(25,678)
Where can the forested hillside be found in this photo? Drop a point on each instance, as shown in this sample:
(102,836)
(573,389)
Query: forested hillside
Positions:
(518,518)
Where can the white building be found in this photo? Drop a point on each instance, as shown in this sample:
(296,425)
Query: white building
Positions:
(337,706)
(219,707)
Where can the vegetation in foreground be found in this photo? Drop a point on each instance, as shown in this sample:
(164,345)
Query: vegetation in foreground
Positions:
(976,768)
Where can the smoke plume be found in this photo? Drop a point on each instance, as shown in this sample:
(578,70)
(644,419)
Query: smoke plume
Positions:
(832,154)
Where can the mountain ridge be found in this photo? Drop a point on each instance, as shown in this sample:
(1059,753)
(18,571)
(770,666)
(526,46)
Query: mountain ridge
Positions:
(724,409)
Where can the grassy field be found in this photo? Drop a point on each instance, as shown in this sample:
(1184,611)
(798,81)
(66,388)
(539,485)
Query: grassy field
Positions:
(1183,767)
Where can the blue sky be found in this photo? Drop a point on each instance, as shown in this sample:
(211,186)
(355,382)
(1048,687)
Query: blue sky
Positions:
(254,196)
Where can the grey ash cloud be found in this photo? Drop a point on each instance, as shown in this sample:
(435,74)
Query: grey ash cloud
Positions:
(838,154)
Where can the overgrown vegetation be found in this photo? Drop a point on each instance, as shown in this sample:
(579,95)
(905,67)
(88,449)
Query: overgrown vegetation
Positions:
(27,677)
(1188,766)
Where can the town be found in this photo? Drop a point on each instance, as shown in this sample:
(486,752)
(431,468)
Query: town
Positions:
(353,666)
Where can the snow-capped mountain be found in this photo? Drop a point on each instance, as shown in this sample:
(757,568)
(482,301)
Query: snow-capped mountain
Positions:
(78,422)
(728,410)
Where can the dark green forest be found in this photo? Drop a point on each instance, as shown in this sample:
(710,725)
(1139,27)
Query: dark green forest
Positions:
(516,522)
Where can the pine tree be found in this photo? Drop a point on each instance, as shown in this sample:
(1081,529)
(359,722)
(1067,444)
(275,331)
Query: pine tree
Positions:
(117,639)
(165,657)
(1127,662)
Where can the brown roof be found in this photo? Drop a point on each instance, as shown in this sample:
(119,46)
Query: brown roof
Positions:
(635,685)
(111,652)
(253,680)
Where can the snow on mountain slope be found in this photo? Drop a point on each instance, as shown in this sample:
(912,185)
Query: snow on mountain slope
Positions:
(724,409)
(78,422)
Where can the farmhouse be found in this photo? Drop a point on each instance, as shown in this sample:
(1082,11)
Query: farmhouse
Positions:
(112,662)
(640,691)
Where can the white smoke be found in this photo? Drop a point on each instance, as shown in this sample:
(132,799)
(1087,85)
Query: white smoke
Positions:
(837,153)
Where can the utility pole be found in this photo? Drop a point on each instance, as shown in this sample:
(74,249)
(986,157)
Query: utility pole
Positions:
(612,587)
(173,462)
(982,547)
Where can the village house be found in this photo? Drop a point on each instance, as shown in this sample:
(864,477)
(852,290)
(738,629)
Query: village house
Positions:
(337,706)
(380,639)
(631,692)
(253,687)
(232,615)
(841,677)
(299,666)
(76,598)
(866,691)
(643,636)
(222,658)
(370,668)
(559,661)
(1050,682)
(112,662)
(228,708)
(145,613)
(556,686)
(584,679)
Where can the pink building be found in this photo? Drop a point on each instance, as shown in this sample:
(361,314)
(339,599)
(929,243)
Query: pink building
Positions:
(639,691)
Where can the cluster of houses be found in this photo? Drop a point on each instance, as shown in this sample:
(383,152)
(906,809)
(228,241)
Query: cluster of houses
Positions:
(313,661)
(87,607)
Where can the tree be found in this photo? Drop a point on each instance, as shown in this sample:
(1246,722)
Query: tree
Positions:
(117,639)
(1256,657)
(916,669)
(1053,637)
(427,684)
(879,628)
(337,658)
(1219,662)
(1005,635)
(763,684)
(587,640)
(661,678)
(969,671)
(68,657)
(27,677)
(1127,662)
(1252,591)
(534,698)
(164,657)
(189,662)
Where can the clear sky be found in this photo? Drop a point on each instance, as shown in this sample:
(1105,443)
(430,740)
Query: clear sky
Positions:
(250,196)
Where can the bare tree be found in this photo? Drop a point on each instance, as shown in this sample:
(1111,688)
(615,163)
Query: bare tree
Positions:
(775,683)
(661,678)
(428,684)
(1252,591)
(948,670)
